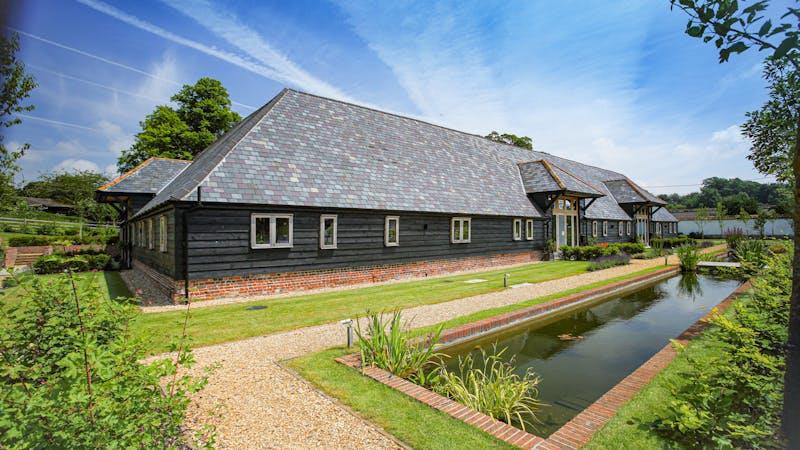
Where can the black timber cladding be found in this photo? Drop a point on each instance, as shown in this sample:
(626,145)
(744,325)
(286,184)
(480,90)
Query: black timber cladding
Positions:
(219,241)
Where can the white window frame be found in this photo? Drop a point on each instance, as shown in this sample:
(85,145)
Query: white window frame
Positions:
(594,228)
(273,231)
(517,231)
(462,222)
(658,229)
(150,240)
(605,228)
(628,227)
(396,242)
(620,224)
(322,220)
(529,229)
(162,233)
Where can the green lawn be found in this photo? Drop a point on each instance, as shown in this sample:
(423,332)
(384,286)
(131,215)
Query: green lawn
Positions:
(628,428)
(405,418)
(412,422)
(110,284)
(217,324)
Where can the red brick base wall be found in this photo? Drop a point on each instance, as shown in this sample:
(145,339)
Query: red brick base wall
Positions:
(283,282)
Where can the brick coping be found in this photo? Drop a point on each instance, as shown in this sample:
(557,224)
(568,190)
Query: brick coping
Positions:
(580,430)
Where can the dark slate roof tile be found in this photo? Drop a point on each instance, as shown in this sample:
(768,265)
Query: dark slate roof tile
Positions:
(148,177)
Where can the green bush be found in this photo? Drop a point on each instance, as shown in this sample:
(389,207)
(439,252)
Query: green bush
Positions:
(47,229)
(56,263)
(735,399)
(28,241)
(673,242)
(590,252)
(607,262)
(689,256)
(73,378)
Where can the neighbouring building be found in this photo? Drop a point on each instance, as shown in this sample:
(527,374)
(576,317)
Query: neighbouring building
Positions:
(309,192)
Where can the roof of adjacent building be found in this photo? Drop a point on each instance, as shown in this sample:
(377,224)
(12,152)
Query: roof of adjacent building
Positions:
(148,177)
(45,202)
(304,150)
(541,176)
(663,215)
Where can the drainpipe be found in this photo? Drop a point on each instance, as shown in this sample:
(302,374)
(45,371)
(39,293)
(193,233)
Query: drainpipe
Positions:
(185,227)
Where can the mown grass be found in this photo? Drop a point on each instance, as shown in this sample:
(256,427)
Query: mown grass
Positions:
(109,283)
(410,421)
(212,325)
(629,429)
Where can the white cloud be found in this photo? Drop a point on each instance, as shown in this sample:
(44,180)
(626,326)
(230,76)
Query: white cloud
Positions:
(70,165)
(118,140)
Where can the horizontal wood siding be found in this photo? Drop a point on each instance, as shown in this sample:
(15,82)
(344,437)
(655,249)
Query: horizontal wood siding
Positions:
(613,231)
(164,262)
(219,241)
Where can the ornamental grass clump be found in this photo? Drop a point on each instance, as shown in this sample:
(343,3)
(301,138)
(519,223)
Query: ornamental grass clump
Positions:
(491,387)
(689,256)
(384,344)
(606,262)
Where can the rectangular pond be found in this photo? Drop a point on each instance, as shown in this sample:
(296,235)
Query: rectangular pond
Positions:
(583,353)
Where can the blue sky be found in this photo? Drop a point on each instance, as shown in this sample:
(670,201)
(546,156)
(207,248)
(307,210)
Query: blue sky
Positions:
(615,84)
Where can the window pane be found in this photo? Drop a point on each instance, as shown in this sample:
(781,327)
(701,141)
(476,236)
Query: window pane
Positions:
(392,234)
(262,230)
(281,230)
(455,233)
(465,230)
(328,237)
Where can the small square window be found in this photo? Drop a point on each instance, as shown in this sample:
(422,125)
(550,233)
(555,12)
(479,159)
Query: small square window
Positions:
(392,231)
(327,231)
(529,229)
(162,233)
(271,230)
(460,230)
(517,229)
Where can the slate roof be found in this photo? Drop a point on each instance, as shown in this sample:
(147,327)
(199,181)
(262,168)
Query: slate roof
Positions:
(543,176)
(663,215)
(146,178)
(626,191)
(304,150)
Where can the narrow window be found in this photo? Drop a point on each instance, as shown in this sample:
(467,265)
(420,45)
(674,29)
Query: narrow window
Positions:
(460,230)
(605,228)
(658,228)
(529,229)
(271,230)
(150,241)
(594,228)
(327,231)
(392,231)
(162,233)
(517,229)
(619,226)
(628,228)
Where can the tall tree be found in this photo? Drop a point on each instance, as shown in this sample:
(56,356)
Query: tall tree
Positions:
(203,114)
(15,88)
(734,30)
(511,139)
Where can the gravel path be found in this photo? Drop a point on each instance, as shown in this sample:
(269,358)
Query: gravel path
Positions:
(259,404)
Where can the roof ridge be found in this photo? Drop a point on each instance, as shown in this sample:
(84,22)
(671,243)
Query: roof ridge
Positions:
(553,174)
(125,175)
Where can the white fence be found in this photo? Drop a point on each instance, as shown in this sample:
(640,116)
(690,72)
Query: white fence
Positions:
(775,227)
(18,221)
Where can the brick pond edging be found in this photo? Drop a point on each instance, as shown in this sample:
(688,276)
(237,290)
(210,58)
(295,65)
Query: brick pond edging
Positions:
(578,431)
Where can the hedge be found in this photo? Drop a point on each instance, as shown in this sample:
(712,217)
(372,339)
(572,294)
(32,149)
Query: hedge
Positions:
(79,263)
(589,252)
(673,242)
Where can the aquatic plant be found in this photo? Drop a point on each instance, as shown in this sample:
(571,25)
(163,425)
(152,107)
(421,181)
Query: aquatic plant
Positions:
(384,344)
(689,256)
(490,386)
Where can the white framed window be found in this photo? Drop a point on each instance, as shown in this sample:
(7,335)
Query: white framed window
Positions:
(327,231)
(620,225)
(529,229)
(162,233)
(628,228)
(658,228)
(391,231)
(605,228)
(460,230)
(150,241)
(517,229)
(271,230)
(594,228)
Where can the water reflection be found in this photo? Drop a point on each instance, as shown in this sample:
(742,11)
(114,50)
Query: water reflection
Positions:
(582,354)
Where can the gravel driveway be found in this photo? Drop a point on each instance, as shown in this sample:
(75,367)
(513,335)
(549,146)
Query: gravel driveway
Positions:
(259,404)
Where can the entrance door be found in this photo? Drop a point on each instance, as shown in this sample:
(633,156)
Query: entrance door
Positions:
(643,230)
(566,229)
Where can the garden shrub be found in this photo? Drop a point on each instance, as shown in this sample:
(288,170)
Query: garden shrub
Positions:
(606,262)
(734,399)
(777,248)
(733,236)
(73,378)
(28,241)
(590,252)
(77,263)
(673,242)
(48,229)
(689,256)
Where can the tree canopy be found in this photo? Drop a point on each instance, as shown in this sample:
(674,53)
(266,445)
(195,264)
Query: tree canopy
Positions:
(734,194)
(202,114)
(74,188)
(511,139)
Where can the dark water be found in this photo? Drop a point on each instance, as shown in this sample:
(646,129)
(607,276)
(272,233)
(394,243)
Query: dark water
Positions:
(618,336)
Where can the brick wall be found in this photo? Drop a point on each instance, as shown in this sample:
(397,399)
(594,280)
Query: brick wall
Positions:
(277,283)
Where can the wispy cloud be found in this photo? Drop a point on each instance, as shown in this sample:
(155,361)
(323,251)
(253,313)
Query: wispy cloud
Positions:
(261,58)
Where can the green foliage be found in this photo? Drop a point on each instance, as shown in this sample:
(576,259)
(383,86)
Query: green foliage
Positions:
(673,242)
(735,399)
(72,376)
(590,252)
(73,188)
(203,115)
(511,139)
(15,89)
(729,195)
(689,256)
(752,254)
(491,387)
(29,241)
(56,263)
(733,236)
(391,349)
(607,262)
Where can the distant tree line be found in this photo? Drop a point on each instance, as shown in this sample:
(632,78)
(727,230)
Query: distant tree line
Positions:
(735,195)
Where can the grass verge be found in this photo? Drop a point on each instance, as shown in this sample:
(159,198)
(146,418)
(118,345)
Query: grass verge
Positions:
(405,418)
(110,284)
(212,325)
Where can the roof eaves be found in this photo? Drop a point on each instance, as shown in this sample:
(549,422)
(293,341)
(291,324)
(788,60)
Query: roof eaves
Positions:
(125,175)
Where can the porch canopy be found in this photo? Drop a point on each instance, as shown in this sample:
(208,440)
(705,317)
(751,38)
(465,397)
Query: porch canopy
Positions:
(546,182)
(626,192)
